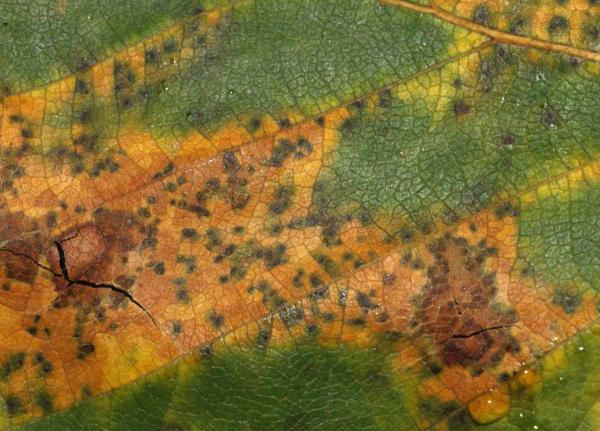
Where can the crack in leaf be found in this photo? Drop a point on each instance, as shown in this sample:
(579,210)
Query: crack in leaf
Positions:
(62,261)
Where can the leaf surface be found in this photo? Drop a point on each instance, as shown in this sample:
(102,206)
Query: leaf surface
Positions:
(299,215)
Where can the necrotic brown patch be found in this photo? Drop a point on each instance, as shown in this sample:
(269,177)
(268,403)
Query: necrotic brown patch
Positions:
(457,308)
(93,250)
(21,249)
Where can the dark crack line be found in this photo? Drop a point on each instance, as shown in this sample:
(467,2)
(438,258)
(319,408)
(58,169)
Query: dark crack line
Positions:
(62,262)
(475,333)
(31,259)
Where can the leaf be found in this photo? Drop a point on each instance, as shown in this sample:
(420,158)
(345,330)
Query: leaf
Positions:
(299,215)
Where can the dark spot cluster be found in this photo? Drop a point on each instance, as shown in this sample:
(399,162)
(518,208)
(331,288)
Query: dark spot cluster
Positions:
(567,300)
(558,25)
(84,350)
(12,363)
(482,15)
(365,302)
(284,148)
(282,200)
(457,310)
(233,190)
(461,108)
(190,263)
(124,79)
(328,264)
(217,320)
(492,66)
(506,209)
(44,365)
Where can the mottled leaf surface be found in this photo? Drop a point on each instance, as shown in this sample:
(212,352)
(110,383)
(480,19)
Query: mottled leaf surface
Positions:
(304,214)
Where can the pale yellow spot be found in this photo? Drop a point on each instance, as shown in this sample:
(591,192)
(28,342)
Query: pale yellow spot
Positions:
(490,406)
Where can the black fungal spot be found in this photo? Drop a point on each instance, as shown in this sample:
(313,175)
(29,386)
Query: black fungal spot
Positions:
(206,352)
(506,210)
(176,327)
(81,87)
(274,256)
(320,121)
(558,24)
(230,162)
(87,141)
(297,280)
(26,133)
(151,55)
(291,315)
(342,297)
(168,169)
(170,45)
(507,140)
(183,296)
(13,363)
(312,329)
(382,317)
(44,400)
(568,302)
(349,124)
(16,118)
(144,212)
(38,358)
(385,99)
(254,124)
(14,406)
(284,123)
(518,26)
(84,350)
(550,119)
(215,319)
(282,199)
(197,10)
(315,280)
(364,302)
(358,321)
(214,238)
(263,337)
(189,233)
(461,108)
(304,148)
(330,267)
(388,279)
(46,368)
(482,15)
(281,151)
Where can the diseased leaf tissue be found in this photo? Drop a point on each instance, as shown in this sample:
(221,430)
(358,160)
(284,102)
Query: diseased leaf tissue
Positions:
(302,214)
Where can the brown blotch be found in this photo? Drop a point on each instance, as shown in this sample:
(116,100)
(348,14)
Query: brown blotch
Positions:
(462,108)
(92,249)
(21,252)
(457,308)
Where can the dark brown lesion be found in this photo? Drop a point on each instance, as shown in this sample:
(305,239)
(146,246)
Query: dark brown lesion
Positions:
(457,308)
(83,255)
(80,257)
(20,246)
